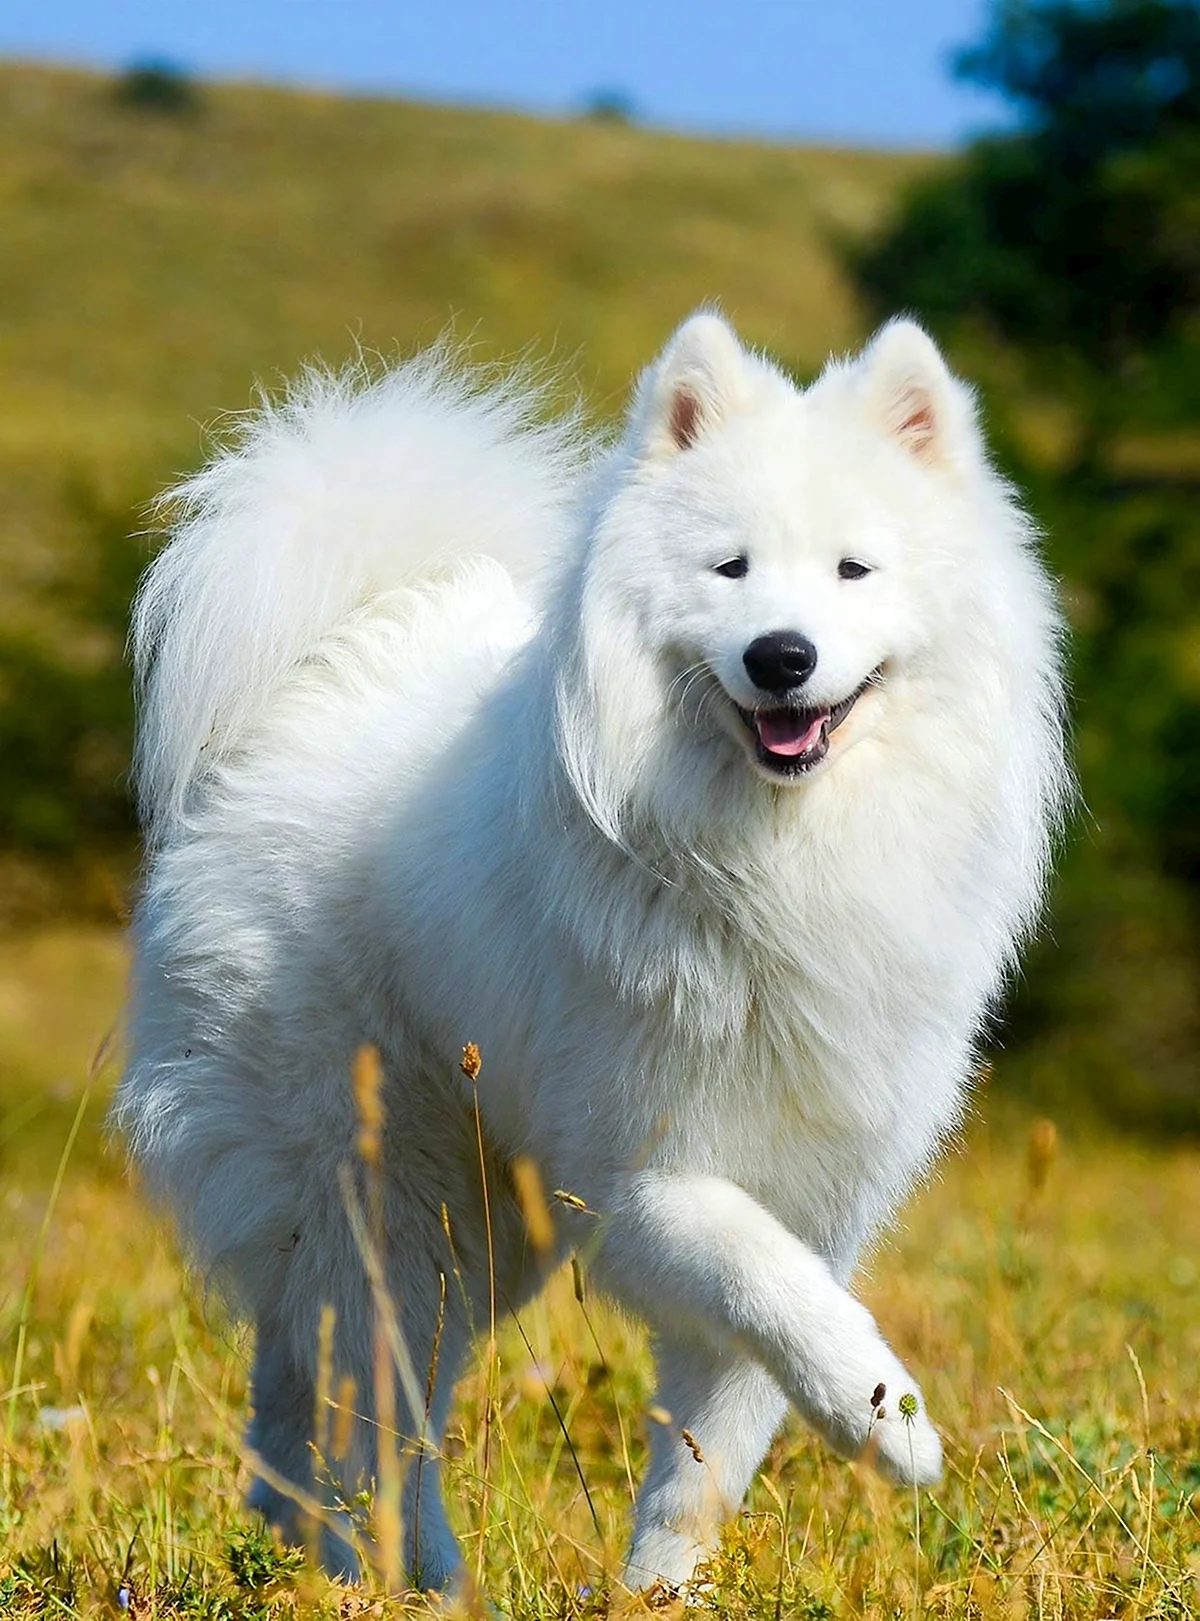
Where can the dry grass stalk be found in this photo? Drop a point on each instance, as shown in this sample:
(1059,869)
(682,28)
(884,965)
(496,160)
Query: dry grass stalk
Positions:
(531,1196)
(472,1066)
(1041,1153)
(367,1074)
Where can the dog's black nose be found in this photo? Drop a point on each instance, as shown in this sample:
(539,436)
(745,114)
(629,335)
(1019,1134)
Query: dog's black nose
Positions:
(780,660)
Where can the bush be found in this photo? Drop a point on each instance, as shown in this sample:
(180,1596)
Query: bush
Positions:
(157,87)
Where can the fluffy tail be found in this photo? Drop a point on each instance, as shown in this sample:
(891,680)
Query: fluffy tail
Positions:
(344,490)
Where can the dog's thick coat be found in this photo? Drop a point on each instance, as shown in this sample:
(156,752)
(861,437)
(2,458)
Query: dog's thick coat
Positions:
(726,950)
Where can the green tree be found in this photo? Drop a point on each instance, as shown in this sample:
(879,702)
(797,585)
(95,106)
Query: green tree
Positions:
(1075,238)
(1070,244)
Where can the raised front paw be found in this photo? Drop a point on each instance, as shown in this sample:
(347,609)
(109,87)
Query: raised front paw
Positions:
(878,1417)
(901,1443)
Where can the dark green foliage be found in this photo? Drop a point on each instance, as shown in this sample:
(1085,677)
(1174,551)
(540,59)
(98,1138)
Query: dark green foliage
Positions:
(1108,1013)
(157,87)
(1077,238)
(66,711)
(610,107)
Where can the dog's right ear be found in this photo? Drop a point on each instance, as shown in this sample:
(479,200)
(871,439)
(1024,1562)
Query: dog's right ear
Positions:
(700,377)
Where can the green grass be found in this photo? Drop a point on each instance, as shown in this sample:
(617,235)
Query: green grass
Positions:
(1045,1293)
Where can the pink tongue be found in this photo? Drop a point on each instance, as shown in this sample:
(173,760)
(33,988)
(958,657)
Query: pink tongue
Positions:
(789,731)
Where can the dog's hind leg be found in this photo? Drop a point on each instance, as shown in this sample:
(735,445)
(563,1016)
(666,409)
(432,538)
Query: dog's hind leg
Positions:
(280,1432)
(279,1436)
(720,1412)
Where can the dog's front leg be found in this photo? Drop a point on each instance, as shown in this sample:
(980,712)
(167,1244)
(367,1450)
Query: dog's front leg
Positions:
(701,1259)
(717,1410)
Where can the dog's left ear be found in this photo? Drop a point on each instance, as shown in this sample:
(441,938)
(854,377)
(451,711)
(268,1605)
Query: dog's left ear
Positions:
(700,377)
(909,391)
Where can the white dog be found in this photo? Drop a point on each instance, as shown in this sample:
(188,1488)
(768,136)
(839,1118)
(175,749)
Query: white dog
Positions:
(718,835)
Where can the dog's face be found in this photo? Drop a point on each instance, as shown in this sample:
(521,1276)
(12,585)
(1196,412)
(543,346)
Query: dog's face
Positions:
(769,564)
(781,595)
(777,544)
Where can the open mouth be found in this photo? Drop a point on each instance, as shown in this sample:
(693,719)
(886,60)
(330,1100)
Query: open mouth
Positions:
(790,741)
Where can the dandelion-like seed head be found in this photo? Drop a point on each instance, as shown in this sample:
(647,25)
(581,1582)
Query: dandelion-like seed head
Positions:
(908,1406)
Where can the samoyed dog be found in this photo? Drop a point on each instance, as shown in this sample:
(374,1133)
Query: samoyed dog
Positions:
(706,782)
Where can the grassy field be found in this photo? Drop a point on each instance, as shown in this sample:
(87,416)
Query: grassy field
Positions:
(1045,1289)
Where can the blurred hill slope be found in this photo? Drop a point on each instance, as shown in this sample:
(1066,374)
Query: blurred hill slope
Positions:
(154,265)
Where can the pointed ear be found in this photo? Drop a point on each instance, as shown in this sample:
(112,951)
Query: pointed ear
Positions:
(700,377)
(909,390)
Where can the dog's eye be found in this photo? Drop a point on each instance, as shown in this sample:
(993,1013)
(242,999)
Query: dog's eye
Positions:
(851,569)
(733,568)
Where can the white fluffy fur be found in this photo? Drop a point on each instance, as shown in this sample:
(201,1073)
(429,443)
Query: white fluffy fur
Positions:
(395,798)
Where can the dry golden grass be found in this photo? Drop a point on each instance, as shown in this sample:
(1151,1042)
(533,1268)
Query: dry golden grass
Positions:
(1044,1286)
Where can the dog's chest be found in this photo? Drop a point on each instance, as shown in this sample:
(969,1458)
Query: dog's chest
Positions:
(804,1038)
(823,1110)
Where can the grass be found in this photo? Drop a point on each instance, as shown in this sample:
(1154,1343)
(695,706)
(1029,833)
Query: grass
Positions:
(1044,1287)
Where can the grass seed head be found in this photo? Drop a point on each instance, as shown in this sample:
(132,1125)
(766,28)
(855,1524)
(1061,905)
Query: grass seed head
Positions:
(573,1201)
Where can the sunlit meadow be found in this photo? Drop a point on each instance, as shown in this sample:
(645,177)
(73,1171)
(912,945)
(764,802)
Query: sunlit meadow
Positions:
(1044,1285)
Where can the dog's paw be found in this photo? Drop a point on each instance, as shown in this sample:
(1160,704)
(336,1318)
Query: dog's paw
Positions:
(902,1444)
(878,1417)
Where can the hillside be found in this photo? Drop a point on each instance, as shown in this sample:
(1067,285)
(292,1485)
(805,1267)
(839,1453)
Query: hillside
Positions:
(155,264)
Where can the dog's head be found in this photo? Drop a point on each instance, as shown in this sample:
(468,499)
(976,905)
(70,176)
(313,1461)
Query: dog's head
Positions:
(764,562)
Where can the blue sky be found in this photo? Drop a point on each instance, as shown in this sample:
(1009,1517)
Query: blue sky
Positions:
(860,71)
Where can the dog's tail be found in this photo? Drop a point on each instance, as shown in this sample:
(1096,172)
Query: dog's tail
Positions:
(346,489)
